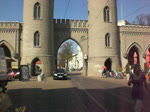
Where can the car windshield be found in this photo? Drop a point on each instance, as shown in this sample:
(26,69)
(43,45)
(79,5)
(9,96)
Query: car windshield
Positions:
(60,70)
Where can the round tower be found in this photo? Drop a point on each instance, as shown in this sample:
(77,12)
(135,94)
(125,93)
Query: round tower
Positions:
(38,36)
(103,36)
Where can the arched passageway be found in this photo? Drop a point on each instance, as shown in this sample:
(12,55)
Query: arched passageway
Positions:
(72,60)
(108,64)
(8,55)
(36,67)
(133,56)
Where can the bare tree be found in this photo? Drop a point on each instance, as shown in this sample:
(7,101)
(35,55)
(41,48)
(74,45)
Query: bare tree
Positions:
(142,19)
(148,19)
(65,54)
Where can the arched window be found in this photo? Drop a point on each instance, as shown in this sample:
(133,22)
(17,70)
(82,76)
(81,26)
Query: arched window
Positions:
(37,11)
(107,40)
(106,14)
(36,39)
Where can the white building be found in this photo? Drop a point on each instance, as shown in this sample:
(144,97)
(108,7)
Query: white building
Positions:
(77,60)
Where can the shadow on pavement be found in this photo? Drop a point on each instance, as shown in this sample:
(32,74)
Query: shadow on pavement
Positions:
(68,100)
(38,100)
(75,100)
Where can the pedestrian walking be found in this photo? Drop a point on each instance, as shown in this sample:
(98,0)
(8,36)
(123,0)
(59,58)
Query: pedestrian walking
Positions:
(139,81)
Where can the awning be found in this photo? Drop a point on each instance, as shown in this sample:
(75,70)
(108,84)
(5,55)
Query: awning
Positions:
(9,59)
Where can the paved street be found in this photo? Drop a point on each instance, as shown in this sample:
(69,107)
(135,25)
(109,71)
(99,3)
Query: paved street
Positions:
(77,94)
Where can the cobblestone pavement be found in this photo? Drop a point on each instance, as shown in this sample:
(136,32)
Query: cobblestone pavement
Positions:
(77,94)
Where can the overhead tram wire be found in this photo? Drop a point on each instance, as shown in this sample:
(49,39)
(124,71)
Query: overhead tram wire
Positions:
(127,16)
(130,14)
(136,10)
(67,9)
(98,15)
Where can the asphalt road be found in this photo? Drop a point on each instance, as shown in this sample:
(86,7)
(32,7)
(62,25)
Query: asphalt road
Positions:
(77,94)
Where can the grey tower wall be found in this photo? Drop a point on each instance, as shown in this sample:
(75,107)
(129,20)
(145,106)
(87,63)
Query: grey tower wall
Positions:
(46,29)
(98,28)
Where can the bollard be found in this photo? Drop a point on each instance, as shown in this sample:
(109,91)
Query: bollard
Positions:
(40,77)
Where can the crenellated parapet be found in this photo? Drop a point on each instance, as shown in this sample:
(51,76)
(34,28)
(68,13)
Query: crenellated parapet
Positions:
(67,23)
(9,27)
(9,24)
(138,29)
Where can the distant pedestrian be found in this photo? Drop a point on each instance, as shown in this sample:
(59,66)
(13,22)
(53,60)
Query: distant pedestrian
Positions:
(138,80)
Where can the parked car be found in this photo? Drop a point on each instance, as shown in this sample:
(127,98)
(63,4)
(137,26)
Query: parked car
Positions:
(59,74)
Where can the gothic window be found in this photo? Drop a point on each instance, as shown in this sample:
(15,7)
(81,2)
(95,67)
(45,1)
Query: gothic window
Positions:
(107,40)
(79,24)
(84,24)
(75,23)
(37,11)
(106,14)
(36,38)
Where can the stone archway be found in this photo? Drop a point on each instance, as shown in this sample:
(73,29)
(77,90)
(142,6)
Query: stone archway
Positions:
(75,30)
(36,67)
(8,55)
(108,64)
(77,61)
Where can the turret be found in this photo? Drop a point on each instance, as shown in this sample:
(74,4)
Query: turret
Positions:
(103,36)
(38,35)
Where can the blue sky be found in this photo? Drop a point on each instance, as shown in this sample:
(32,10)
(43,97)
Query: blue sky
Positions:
(12,10)
(132,8)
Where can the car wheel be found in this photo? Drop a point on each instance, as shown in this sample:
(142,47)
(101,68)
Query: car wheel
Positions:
(65,78)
